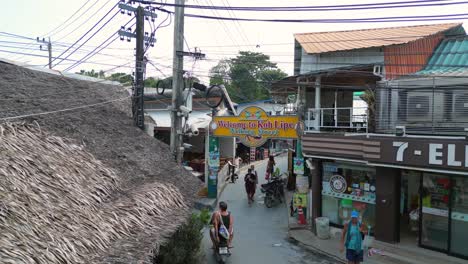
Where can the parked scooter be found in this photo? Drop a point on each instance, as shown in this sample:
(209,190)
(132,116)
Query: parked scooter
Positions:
(222,252)
(274,191)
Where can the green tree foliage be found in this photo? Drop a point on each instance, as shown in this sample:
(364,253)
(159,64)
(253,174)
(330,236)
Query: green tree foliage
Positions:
(247,77)
(369,98)
(121,77)
(151,82)
(91,73)
(184,246)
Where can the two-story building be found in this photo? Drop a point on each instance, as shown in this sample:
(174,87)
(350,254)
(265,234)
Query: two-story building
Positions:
(402,160)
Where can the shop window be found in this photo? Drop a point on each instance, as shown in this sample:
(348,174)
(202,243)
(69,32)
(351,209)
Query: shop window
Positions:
(459,217)
(435,205)
(347,187)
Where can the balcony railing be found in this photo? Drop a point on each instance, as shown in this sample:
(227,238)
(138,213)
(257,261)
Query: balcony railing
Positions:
(352,119)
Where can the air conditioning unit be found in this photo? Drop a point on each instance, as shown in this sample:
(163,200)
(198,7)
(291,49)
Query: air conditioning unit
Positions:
(460,106)
(422,107)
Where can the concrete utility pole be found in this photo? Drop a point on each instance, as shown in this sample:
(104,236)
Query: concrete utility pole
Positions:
(178,82)
(140,60)
(138,102)
(49,48)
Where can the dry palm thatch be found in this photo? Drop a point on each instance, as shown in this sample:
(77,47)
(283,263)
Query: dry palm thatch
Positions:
(59,204)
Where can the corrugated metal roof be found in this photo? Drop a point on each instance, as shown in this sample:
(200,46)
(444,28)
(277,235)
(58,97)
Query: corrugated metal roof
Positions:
(321,42)
(449,59)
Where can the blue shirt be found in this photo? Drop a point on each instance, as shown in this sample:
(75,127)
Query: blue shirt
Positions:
(354,237)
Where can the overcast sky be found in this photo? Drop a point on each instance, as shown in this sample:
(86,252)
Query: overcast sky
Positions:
(216,39)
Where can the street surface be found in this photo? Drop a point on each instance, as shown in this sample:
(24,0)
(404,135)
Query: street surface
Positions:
(260,233)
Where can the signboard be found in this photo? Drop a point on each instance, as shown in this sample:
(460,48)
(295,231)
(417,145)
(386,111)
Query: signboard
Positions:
(252,153)
(338,183)
(253,126)
(213,166)
(299,166)
(437,153)
(300,199)
(449,154)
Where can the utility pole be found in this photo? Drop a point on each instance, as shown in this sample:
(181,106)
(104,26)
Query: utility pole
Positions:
(138,102)
(142,38)
(178,82)
(49,48)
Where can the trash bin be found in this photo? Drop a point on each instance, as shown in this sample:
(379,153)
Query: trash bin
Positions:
(322,225)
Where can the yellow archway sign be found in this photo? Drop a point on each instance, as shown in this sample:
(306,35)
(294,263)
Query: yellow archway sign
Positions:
(253,126)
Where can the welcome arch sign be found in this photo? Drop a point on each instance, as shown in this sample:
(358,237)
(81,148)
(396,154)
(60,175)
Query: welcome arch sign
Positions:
(253,126)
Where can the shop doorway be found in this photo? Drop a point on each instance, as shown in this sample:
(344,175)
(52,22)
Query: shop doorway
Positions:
(409,207)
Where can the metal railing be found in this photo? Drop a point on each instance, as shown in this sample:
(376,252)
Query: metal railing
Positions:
(341,118)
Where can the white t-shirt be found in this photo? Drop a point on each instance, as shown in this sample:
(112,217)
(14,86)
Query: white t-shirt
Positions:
(237,161)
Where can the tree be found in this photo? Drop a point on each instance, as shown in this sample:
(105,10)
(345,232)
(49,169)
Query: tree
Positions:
(219,73)
(247,77)
(92,73)
(121,77)
(151,82)
(369,98)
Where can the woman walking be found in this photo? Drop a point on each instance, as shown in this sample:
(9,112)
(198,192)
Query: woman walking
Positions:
(251,180)
(352,239)
(270,167)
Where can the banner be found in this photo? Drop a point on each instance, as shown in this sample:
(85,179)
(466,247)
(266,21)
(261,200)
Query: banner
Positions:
(253,126)
(213,166)
(299,166)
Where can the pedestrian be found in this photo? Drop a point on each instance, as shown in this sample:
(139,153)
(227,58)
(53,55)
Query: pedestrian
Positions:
(237,162)
(352,239)
(250,180)
(270,168)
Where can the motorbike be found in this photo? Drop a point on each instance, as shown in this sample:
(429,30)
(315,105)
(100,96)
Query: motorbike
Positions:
(274,192)
(222,252)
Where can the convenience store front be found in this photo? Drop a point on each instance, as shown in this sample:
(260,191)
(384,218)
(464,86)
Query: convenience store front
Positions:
(372,176)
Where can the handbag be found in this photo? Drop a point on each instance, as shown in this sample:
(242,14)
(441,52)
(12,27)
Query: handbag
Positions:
(223,231)
(368,240)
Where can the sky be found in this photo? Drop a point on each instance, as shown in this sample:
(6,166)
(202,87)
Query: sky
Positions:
(217,39)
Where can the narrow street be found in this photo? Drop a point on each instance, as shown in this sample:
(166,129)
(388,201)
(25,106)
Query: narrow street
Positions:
(260,233)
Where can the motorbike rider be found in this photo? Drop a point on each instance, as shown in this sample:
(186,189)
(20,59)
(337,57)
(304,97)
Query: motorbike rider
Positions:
(227,220)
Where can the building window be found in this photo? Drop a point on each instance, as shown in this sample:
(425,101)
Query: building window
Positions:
(459,215)
(347,187)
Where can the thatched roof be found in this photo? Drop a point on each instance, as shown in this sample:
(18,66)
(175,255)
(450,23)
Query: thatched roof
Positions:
(81,186)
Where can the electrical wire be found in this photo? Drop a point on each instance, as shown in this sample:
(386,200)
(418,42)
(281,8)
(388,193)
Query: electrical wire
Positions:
(76,12)
(237,24)
(444,17)
(95,25)
(99,48)
(63,110)
(71,53)
(15,35)
(45,56)
(371,6)
(223,24)
(85,21)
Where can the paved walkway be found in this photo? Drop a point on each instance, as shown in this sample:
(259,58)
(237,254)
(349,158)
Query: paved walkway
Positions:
(261,234)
